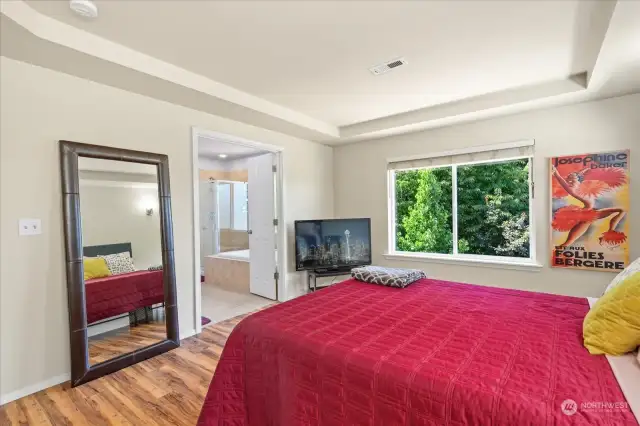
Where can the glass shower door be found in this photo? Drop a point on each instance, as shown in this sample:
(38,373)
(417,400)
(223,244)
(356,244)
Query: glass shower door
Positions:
(240,206)
(209,242)
(224,213)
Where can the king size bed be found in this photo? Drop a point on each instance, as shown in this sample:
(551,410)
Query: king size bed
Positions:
(433,353)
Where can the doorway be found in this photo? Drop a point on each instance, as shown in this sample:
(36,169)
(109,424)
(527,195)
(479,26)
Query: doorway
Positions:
(237,204)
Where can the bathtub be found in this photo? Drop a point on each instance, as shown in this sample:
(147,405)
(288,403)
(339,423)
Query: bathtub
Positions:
(242,255)
(228,270)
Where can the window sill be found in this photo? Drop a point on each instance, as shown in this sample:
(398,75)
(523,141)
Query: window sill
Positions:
(467,260)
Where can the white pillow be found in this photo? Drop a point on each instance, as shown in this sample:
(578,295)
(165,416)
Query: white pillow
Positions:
(625,273)
(119,263)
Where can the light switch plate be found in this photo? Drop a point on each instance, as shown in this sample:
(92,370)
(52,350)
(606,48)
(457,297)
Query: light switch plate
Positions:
(30,227)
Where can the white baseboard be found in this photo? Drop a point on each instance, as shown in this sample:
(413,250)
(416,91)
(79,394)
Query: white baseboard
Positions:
(105,327)
(187,334)
(36,387)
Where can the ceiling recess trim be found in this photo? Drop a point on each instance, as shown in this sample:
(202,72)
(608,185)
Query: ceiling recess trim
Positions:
(29,36)
(470,105)
(84,42)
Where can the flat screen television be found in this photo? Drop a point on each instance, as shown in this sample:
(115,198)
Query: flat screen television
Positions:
(332,243)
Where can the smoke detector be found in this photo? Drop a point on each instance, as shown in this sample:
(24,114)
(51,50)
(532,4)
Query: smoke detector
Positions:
(387,66)
(84,8)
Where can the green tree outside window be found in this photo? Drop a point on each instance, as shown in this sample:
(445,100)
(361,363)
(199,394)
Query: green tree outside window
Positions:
(493,209)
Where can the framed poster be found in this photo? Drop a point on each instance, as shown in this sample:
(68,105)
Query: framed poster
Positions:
(590,211)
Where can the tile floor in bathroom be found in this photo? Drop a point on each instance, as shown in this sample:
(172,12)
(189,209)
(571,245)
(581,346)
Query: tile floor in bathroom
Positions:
(219,304)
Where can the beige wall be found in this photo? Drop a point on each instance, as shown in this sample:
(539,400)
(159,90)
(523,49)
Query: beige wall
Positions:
(39,107)
(360,182)
(113,215)
(236,175)
(231,239)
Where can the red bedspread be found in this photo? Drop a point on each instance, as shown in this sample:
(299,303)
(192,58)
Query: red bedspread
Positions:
(122,293)
(435,353)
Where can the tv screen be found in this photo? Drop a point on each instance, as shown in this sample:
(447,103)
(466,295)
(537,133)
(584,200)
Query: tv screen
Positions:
(332,243)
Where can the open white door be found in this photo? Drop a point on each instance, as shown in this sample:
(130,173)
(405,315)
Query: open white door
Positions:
(262,231)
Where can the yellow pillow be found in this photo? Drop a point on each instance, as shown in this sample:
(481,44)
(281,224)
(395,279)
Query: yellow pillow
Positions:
(95,267)
(612,326)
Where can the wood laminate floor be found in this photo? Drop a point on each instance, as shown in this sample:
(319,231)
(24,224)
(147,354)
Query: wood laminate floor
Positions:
(125,340)
(166,390)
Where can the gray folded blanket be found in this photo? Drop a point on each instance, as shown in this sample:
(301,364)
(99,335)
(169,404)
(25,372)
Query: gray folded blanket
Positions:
(391,277)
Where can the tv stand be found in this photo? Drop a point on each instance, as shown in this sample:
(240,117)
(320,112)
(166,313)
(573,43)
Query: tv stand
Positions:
(326,272)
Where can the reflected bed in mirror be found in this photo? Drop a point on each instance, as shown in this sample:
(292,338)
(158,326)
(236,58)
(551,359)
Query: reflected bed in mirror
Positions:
(125,310)
(122,300)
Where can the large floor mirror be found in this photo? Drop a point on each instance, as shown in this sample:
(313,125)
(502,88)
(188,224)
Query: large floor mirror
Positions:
(119,257)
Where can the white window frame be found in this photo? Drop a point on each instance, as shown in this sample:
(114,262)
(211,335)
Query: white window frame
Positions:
(232,197)
(506,262)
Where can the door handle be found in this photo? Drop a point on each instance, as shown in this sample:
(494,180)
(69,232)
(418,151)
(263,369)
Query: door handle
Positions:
(249,231)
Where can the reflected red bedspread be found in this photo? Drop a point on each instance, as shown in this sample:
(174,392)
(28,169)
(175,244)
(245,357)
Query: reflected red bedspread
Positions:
(122,293)
(435,353)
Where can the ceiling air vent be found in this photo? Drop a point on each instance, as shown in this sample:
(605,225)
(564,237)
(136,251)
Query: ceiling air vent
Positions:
(388,66)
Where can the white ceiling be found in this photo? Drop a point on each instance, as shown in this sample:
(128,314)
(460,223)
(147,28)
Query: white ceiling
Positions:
(212,148)
(302,67)
(314,57)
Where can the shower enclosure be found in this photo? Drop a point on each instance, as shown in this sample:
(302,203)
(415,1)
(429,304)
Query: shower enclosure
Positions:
(224,217)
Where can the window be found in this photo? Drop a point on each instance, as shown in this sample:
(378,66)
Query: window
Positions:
(240,206)
(233,205)
(463,205)
(224,205)
(424,210)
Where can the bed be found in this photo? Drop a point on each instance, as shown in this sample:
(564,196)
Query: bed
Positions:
(434,353)
(123,293)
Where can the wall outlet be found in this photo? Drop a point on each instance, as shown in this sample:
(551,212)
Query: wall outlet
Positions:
(30,227)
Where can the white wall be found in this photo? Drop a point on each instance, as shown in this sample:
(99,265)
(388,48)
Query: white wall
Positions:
(238,164)
(114,215)
(360,182)
(207,163)
(39,107)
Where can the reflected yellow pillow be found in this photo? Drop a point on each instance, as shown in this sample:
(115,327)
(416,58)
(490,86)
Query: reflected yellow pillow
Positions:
(612,326)
(95,267)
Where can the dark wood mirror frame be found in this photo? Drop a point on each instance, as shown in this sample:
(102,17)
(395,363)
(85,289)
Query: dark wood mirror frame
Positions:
(81,370)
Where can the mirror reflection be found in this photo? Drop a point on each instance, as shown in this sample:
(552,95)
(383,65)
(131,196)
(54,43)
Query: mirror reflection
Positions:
(122,257)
